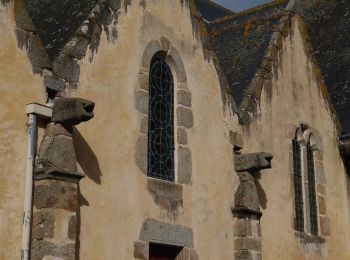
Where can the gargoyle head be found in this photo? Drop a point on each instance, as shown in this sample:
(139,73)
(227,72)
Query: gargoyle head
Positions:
(253,162)
(72,111)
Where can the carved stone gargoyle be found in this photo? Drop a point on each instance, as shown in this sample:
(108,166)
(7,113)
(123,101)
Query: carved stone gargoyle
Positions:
(246,196)
(56,157)
(56,184)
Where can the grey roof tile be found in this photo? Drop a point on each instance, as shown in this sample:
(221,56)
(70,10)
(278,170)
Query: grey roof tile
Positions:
(329,32)
(240,42)
(57,20)
(211,11)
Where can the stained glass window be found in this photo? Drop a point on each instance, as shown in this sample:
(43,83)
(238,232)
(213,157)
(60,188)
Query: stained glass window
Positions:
(161,120)
(298,186)
(312,190)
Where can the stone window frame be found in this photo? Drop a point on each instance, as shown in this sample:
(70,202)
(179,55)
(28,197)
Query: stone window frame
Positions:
(305,134)
(162,119)
(183,115)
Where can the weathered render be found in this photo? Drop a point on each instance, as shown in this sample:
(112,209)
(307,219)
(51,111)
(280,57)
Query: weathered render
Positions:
(243,83)
(294,80)
(18,86)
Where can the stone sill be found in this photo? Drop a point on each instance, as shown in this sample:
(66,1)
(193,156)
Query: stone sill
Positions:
(166,194)
(309,239)
(163,183)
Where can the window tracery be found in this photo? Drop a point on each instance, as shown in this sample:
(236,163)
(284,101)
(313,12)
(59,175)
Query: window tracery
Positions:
(304,176)
(161,120)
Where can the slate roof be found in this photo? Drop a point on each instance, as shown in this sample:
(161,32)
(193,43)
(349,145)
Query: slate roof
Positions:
(57,20)
(238,39)
(329,31)
(240,42)
(211,11)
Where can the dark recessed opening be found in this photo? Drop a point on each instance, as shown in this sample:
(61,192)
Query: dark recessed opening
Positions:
(347,164)
(163,252)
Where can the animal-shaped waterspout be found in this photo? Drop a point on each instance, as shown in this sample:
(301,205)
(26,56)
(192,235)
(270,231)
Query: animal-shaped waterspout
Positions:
(247,166)
(56,183)
(56,158)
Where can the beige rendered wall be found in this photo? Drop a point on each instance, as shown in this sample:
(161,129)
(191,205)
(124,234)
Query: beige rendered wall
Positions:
(116,198)
(296,98)
(18,86)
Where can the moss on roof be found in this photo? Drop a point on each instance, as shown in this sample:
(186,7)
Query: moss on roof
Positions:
(240,42)
(328,25)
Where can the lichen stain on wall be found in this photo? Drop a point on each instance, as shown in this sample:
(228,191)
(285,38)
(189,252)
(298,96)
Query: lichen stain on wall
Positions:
(18,86)
(297,98)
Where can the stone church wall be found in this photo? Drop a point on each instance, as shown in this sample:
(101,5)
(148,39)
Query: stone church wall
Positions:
(18,87)
(117,199)
(121,210)
(118,196)
(294,98)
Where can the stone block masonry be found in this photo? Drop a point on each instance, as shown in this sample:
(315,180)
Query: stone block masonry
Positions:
(246,209)
(183,118)
(54,226)
(56,184)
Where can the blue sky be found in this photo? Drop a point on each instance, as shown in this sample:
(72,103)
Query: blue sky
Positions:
(239,5)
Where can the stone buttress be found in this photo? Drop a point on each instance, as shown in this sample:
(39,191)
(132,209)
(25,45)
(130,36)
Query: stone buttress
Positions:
(56,183)
(246,209)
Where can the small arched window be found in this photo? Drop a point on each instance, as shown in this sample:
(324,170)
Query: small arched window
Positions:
(306,212)
(161,120)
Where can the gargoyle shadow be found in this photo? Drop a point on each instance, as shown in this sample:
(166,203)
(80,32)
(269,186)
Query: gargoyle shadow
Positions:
(261,192)
(86,157)
(91,167)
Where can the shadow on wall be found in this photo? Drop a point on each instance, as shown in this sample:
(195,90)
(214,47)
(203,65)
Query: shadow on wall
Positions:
(86,157)
(89,163)
(261,192)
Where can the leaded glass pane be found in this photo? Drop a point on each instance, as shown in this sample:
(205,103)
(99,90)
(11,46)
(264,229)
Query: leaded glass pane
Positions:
(161,121)
(298,186)
(312,190)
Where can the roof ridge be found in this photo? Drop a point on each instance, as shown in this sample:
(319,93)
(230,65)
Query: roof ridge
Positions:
(221,7)
(249,11)
(263,73)
(209,10)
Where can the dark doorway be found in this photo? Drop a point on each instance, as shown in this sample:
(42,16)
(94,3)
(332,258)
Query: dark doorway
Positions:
(163,252)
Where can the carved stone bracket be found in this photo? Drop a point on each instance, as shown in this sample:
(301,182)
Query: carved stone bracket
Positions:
(56,157)
(246,197)
(56,183)
(246,208)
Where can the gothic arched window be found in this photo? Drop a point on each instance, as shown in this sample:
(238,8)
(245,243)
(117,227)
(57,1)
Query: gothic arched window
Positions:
(161,120)
(306,209)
